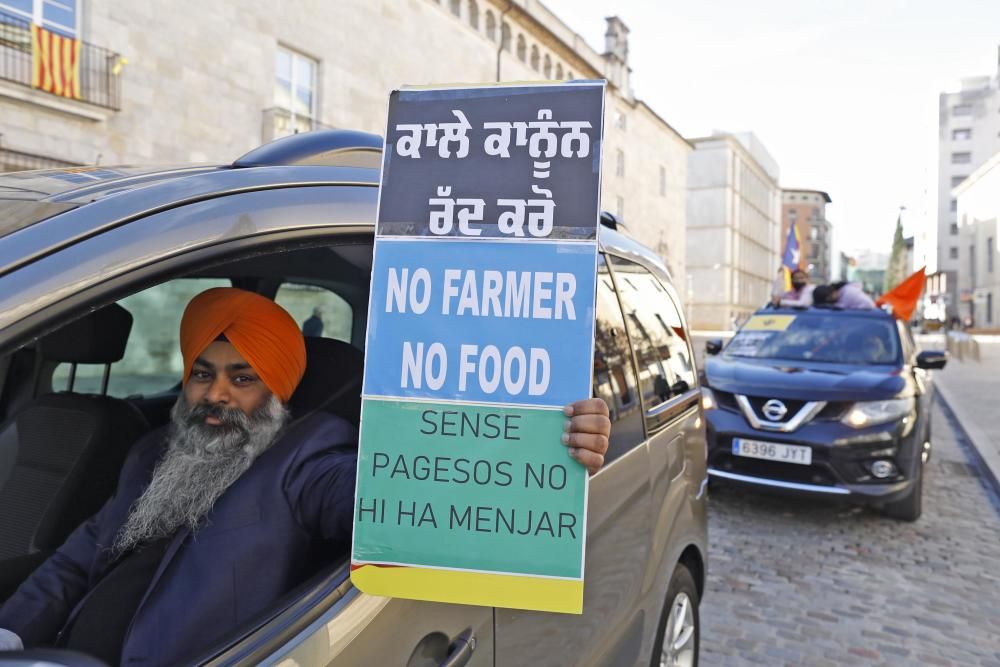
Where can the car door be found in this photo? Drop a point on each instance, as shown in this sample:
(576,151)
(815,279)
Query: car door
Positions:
(328,622)
(610,630)
(675,432)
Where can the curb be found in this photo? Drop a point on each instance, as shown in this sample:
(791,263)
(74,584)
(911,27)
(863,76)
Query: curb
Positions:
(974,433)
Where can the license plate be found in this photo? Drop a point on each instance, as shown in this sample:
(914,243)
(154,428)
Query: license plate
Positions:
(772,451)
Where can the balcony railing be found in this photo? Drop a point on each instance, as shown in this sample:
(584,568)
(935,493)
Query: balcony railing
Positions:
(99,84)
(279,122)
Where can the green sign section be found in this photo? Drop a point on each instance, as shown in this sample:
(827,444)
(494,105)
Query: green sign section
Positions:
(469,487)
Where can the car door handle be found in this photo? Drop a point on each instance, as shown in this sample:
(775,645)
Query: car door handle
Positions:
(460,651)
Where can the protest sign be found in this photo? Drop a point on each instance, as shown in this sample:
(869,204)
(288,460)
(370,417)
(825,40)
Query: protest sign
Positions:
(480,330)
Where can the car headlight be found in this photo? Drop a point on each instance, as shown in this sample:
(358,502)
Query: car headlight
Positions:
(872,413)
(708,399)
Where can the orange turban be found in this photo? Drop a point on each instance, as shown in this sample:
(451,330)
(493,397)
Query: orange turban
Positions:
(261,331)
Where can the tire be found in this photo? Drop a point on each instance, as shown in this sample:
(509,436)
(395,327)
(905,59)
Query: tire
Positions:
(681,603)
(908,508)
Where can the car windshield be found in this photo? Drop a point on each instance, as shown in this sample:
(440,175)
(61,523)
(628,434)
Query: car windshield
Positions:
(834,337)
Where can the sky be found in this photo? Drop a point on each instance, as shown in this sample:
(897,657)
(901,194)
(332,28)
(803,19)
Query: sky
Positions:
(843,93)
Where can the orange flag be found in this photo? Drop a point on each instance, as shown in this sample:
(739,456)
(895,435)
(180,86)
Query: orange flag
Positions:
(904,297)
(55,62)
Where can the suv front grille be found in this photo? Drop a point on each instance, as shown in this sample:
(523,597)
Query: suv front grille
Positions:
(834,410)
(792,408)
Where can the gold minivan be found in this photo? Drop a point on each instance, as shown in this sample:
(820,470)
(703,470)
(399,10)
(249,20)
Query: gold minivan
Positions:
(294,221)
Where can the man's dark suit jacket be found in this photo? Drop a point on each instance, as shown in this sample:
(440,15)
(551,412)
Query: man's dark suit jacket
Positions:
(257,544)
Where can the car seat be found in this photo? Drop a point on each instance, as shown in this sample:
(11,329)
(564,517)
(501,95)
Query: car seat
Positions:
(332,380)
(62,451)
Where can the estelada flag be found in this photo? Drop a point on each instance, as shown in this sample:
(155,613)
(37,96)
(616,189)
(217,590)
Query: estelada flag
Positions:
(791,257)
(904,297)
(55,62)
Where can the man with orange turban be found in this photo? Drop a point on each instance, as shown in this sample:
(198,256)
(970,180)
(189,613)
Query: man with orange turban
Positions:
(223,511)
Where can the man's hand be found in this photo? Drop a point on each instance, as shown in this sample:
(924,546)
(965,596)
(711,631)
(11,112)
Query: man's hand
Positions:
(587,429)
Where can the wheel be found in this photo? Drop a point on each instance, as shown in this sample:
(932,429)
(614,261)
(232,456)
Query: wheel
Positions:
(680,626)
(909,507)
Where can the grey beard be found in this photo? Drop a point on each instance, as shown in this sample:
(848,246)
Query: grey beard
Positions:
(201,462)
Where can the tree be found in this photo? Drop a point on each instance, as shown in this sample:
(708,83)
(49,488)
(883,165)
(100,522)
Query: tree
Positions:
(895,273)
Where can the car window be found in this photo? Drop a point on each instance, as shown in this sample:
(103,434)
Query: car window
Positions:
(835,337)
(657,332)
(320,312)
(614,375)
(152,361)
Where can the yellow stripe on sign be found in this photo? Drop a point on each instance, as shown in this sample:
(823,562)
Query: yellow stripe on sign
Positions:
(478,588)
(768,322)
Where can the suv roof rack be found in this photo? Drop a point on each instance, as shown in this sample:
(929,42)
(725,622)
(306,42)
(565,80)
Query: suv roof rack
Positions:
(323,148)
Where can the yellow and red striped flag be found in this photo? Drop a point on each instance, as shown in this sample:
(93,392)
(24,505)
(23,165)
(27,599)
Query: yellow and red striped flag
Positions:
(55,62)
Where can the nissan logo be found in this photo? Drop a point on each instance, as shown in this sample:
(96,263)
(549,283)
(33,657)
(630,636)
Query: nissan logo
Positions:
(774,410)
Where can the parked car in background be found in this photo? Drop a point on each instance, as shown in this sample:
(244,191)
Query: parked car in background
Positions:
(294,221)
(826,402)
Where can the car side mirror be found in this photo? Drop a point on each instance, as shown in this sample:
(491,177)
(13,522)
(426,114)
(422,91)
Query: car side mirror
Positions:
(49,658)
(713,346)
(932,359)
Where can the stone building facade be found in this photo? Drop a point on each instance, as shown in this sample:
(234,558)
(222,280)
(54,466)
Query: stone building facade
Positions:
(734,209)
(807,209)
(207,81)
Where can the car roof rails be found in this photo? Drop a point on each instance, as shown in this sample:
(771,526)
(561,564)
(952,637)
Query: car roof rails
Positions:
(611,221)
(323,148)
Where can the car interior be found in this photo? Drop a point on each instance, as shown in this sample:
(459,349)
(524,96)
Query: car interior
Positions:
(75,399)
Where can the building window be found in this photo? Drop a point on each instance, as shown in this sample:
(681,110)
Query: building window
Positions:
(954,229)
(957,180)
(989,254)
(972,263)
(535,58)
(491,27)
(953,252)
(619,162)
(813,233)
(815,213)
(793,213)
(294,92)
(620,120)
(961,158)
(961,134)
(456,7)
(663,181)
(505,37)
(547,66)
(961,110)
(620,207)
(569,75)
(61,16)
(522,49)
(473,15)
(559,71)
(989,307)
(953,205)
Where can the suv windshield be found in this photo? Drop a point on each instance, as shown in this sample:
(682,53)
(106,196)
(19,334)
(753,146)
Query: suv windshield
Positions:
(834,337)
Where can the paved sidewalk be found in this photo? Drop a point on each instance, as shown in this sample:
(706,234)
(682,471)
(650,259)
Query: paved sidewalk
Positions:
(971,389)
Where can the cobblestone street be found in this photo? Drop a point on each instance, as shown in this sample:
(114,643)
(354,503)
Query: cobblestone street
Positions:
(803,582)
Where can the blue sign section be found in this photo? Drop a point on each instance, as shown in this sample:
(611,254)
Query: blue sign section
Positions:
(481,321)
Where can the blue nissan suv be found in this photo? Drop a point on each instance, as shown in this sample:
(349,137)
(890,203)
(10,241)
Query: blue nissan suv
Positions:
(824,402)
